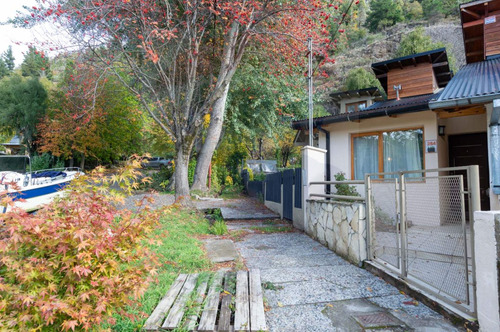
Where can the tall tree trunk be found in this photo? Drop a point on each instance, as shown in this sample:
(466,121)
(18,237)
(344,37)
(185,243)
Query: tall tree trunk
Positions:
(211,141)
(181,174)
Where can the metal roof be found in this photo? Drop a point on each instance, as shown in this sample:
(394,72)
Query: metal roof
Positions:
(15,141)
(381,108)
(372,92)
(475,83)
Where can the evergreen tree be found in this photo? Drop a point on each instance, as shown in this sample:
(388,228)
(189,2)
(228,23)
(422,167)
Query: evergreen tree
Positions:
(360,78)
(417,42)
(4,70)
(384,13)
(23,103)
(9,59)
(36,64)
(413,10)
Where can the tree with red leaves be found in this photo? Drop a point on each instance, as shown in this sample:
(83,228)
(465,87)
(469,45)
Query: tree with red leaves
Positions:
(179,56)
(90,117)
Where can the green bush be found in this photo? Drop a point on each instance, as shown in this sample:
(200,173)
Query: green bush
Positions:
(384,13)
(216,184)
(40,162)
(218,228)
(45,161)
(161,179)
(259,177)
(191,169)
(344,189)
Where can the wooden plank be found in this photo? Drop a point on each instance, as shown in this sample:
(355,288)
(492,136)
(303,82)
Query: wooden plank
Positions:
(472,23)
(209,315)
(471,13)
(154,321)
(242,311)
(257,315)
(225,310)
(175,315)
(465,112)
(200,296)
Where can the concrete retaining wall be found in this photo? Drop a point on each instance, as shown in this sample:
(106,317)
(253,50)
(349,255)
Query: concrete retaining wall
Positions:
(487,251)
(340,226)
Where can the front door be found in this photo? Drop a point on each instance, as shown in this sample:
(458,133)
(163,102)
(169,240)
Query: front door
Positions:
(472,149)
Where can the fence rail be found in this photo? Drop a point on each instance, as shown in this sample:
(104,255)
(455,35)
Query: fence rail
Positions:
(335,196)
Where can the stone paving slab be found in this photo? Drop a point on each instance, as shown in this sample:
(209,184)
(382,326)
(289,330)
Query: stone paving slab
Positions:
(421,316)
(220,251)
(307,317)
(347,272)
(326,291)
(316,290)
(294,261)
(252,225)
(230,213)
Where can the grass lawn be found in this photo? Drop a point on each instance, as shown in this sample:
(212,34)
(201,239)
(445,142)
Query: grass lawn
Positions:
(180,252)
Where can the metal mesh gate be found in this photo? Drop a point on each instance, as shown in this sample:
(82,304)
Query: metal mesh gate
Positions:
(384,209)
(419,229)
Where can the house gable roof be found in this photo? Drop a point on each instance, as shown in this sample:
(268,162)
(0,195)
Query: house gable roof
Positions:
(438,58)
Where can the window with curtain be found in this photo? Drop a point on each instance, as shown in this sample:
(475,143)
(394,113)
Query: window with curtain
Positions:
(401,150)
(365,156)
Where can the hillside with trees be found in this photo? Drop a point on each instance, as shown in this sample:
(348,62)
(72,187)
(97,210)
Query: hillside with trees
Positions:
(380,30)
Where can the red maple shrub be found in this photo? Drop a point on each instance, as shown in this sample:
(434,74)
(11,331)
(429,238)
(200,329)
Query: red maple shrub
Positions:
(75,262)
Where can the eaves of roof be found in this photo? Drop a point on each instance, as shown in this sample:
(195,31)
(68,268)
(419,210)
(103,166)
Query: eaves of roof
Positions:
(475,83)
(378,109)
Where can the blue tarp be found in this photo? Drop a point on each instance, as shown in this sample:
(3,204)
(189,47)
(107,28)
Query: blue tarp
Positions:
(48,174)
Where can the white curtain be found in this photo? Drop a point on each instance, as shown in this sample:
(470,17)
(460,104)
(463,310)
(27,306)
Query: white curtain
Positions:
(365,156)
(403,151)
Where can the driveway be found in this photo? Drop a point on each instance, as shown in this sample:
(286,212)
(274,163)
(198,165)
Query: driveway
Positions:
(310,288)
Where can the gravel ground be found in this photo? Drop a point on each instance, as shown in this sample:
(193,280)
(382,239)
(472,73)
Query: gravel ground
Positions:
(244,204)
(160,200)
(316,290)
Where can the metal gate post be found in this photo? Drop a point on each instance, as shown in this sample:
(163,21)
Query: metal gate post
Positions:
(402,224)
(370,219)
(464,229)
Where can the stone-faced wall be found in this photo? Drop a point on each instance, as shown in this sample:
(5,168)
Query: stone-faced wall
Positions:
(340,226)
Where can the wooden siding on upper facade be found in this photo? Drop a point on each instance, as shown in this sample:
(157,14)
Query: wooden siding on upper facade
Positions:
(415,80)
(492,35)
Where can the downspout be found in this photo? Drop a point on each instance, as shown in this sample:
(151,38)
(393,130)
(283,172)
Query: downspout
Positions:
(328,175)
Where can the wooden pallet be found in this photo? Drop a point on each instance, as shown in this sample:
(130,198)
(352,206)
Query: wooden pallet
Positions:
(219,302)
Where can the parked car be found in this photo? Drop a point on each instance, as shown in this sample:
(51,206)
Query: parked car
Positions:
(156,162)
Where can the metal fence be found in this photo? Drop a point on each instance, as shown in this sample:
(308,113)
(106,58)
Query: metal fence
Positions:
(420,227)
(273,187)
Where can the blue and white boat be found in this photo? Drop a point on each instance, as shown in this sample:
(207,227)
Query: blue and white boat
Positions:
(36,188)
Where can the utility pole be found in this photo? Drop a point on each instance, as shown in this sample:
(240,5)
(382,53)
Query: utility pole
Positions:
(310,81)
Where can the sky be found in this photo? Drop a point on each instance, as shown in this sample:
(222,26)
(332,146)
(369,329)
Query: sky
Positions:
(10,35)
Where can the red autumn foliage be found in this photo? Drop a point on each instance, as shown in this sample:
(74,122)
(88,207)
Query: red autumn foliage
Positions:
(180,56)
(75,262)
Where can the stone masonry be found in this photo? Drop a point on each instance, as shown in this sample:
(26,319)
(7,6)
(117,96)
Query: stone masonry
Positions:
(340,226)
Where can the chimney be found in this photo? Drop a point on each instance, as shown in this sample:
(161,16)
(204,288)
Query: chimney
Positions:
(397,88)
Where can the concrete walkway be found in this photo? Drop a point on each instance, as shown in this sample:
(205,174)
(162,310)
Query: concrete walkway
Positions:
(309,288)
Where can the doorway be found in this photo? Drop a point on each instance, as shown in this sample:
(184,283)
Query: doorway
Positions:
(472,149)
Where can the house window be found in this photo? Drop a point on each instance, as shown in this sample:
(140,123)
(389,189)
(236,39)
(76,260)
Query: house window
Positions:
(355,107)
(387,151)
